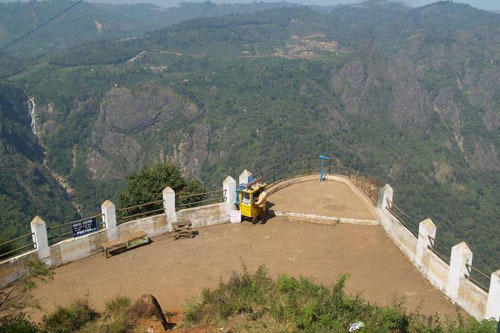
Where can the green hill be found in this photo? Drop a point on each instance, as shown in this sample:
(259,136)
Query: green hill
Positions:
(26,187)
(92,22)
(409,96)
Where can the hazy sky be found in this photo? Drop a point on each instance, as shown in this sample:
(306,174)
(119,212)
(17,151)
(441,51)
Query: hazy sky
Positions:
(483,4)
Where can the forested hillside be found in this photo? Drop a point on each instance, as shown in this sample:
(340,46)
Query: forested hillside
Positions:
(26,187)
(409,96)
(91,22)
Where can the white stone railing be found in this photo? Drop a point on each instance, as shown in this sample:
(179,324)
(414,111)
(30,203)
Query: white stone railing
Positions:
(76,248)
(453,279)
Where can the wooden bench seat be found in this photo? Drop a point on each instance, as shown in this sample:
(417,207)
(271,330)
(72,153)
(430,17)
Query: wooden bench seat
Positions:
(182,229)
(125,243)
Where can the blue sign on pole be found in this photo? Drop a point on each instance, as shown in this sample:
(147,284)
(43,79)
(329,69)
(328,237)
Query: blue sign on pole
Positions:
(324,160)
(84,227)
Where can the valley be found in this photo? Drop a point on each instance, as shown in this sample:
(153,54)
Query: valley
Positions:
(409,96)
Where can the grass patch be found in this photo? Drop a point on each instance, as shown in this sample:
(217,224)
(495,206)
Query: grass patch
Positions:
(118,304)
(254,302)
(18,324)
(71,318)
(80,317)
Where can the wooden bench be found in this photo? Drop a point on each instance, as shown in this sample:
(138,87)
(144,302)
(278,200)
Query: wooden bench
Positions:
(124,243)
(182,229)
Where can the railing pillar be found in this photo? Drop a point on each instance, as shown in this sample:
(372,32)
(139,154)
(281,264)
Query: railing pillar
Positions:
(385,197)
(108,211)
(493,304)
(244,177)
(229,186)
(461,255)
(426,228)
(39,230)
(169,206)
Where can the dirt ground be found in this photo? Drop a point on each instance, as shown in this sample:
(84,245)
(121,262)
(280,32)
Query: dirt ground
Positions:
(174,271)
(327,198)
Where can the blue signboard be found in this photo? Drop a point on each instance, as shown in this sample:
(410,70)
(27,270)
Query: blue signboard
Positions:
(84,227)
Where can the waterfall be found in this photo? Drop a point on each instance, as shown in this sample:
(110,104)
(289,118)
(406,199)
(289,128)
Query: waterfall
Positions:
(31,105)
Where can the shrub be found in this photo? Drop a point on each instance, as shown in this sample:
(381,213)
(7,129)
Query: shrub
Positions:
(118,304)
(18,324)
(115,318)
(71,318)
(255,302)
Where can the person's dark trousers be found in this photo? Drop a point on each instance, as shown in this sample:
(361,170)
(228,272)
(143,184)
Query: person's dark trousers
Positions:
(262,213)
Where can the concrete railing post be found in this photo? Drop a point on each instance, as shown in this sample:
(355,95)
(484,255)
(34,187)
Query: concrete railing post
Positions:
(39,230)
(108,211)
(229,186)
(385,197)
(426,228)
(493,303)
(244,177)
(461,256)
(169,206)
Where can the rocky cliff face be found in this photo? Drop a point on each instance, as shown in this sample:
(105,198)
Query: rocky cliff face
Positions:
(139,127)
(454,83)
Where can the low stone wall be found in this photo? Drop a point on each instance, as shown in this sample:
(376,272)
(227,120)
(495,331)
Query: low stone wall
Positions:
(435,270)
(401,236)
(16,267)
(152,225)
(473,299)
(205,215)
(450,279)
(73,249)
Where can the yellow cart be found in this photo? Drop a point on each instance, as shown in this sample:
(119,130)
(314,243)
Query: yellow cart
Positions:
(247,201)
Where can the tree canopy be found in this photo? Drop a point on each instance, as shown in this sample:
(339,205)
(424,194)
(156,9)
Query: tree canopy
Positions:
(147,186)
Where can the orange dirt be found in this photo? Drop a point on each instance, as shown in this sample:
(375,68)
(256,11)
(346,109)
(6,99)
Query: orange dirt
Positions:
(176,270)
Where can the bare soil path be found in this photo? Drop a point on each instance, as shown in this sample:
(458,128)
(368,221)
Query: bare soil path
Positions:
(174,271)
(327,198)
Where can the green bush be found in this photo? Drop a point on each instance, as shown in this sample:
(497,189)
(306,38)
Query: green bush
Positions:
(71,318)
(115,318)
(255,302)
(118,304)
(18,324)
(148,184)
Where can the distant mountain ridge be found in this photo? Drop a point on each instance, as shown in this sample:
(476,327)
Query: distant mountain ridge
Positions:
(90,21)
(93,22)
